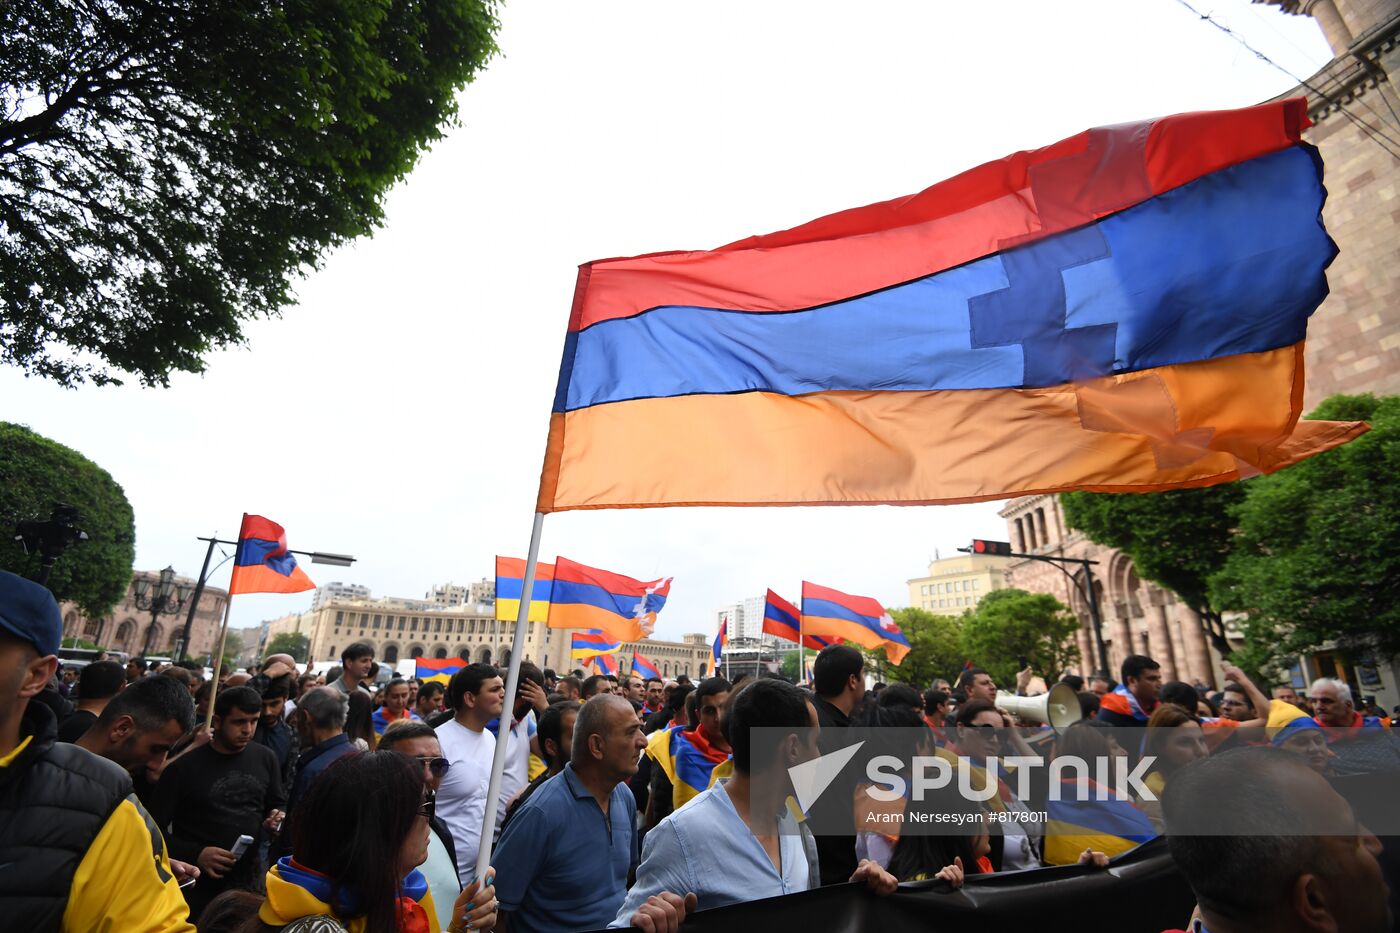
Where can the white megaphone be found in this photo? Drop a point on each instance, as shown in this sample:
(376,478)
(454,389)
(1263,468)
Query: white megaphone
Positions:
(1060,707)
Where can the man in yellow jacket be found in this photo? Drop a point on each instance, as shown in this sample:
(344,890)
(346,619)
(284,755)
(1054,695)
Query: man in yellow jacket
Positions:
(77,850)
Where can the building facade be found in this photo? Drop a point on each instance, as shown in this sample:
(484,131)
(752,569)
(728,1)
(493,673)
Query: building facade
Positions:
(1353,347)
(447,595)
(127,628)
(955,584)
(744,618)
(397,633)
(1137,617)
(1353,341)
(328,591)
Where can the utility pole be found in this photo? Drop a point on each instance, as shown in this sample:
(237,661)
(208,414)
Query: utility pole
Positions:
(1091,597)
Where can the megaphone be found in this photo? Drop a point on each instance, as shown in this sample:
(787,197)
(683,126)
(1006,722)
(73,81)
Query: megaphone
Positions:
(1060,707)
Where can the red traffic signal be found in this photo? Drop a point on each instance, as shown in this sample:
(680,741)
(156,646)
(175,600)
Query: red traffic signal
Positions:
(1001,548)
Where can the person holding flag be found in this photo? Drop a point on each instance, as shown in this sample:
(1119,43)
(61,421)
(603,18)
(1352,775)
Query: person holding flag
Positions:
(721,639)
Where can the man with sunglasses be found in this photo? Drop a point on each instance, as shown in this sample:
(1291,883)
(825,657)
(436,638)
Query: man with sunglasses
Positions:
(418,740)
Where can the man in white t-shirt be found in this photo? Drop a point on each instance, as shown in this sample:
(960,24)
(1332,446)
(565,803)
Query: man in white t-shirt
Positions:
(477,694)
(530,703)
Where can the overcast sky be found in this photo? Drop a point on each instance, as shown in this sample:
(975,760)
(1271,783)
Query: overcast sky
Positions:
(406,395)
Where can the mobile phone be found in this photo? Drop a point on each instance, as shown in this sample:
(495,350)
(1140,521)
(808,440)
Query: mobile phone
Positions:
(241,846)
(188,881)
(1021,660)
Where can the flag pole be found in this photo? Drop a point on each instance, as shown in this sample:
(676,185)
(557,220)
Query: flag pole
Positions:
(218,665)
(517,650)
(801,646)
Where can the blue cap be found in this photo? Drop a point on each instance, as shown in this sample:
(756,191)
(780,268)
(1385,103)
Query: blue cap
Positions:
(29,611)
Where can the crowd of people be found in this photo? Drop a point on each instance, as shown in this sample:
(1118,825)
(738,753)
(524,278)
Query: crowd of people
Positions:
(338,803)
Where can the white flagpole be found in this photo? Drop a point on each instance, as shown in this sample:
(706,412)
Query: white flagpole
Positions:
(517,651)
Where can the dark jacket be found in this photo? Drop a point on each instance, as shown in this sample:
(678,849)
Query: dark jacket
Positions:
(310,763)
(836,854)
(54,800)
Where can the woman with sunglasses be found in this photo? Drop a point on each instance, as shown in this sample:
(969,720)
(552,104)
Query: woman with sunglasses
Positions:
(418,741)
(355,855)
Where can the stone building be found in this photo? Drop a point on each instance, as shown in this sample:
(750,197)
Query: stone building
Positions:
(399,634)
(954,585)
(1354,338)
(1353,343)
(1137,617)
(126,628)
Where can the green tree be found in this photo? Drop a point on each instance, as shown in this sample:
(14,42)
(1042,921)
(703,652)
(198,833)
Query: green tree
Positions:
(788,667)
(294,643)
(1177,539)
(1317,559)
(168,167)
(1011,624)
(934,647)
(36,473)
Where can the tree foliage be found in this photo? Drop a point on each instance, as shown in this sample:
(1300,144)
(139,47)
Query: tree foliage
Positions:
(36,473)
(1317,559)
(1176,539)
(167,167)
(294,643)
(1011,624)
(934,648)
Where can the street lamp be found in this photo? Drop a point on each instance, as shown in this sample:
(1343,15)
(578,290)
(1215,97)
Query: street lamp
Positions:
(317,557)
(167,599)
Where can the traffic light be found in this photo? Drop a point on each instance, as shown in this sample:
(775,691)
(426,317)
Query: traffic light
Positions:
(1000,548)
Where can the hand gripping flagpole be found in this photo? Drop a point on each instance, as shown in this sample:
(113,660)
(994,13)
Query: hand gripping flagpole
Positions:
(503,729)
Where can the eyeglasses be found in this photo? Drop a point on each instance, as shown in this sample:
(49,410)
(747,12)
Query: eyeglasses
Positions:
(435,764)
(429,801)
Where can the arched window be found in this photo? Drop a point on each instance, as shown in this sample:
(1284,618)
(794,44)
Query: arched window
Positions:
(391,654)
(484,657)
(92,627)
(465,654)
(505,657)
(416,651)
(439,652)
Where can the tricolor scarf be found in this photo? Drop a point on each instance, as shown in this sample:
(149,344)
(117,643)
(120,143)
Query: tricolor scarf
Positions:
(1122,702)
(1339,733)
(294,891)
(688,758)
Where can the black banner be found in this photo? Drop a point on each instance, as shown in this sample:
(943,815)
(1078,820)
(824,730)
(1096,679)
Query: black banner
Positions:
(1141,892)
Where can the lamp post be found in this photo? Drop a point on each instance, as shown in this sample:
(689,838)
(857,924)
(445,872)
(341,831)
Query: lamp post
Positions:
(317,557)
(165,599)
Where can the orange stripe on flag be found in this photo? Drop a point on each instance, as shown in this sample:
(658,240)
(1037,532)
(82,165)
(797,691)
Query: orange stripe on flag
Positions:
(257,578)
(1195,424)
(580,615)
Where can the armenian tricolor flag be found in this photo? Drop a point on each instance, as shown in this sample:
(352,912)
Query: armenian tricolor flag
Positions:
(1123,310)
(855,618)
(721,639)
(620,607)
(262,563)
(644,668)
(605,663)
(688,759)
(438,669)
(584,645)
(510,584)
(1110,826)
(782,618)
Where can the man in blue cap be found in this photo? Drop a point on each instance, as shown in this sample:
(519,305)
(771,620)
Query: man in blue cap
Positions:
(79,851)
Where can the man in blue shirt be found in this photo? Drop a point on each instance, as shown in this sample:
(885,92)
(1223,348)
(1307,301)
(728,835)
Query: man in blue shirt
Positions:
(737,841)
(563,860)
